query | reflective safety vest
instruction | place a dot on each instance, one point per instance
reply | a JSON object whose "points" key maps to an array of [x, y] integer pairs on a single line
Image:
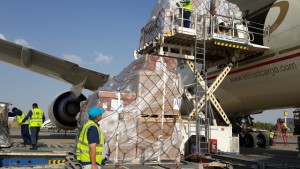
{"points": [[187, 5], [20, 119], [36, 119], [271, 135], [83, 150]]}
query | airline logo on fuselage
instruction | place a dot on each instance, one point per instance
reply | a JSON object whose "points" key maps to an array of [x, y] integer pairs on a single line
{"points": [[284, 7]]}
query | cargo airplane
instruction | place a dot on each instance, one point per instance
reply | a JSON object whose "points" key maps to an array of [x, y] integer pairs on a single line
{"points": [[268, 80]]}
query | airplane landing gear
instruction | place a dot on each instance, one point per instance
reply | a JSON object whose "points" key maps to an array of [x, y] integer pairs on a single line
{"points": [[255, 139], [262, 140], [250, 140], [248, 137]]}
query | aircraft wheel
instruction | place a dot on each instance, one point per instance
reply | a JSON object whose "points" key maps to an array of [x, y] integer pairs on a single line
{"points": [[262, 140], [242, 138], [250, 140]]}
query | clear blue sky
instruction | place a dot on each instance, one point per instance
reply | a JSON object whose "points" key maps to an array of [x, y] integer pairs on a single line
{"points": [[96, 34]]}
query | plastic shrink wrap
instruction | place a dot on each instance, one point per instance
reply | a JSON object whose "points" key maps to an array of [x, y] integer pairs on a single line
{"points": [[4, 130], [142, 121]]}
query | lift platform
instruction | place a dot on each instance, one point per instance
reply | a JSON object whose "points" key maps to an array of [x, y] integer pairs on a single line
{"points": [[179, 42], [17, 155], [208, 39]]}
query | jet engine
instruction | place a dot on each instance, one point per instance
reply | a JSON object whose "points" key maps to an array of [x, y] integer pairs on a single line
{"points": [[63, 110]]}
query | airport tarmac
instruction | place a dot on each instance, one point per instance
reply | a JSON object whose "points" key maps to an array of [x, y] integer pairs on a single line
{"points": [[289, 149], [47, 137], [251, 156], [68, 137]]}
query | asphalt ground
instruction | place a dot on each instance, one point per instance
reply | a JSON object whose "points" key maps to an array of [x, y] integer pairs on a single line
{"points": [[276, 152], [47, 137], [280, 148], [68, 137]]}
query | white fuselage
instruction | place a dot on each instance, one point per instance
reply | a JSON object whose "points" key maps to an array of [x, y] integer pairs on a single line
{"points": [[272, 80]]}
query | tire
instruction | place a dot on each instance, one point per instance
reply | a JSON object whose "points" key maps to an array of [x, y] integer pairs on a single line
{"points": [[250, 140], [242, 137], [262, 140]]}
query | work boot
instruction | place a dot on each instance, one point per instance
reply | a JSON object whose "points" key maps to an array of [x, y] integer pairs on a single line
{"points": [[34, 147]]}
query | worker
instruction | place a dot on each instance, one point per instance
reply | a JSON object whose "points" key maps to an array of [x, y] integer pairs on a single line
{"points": [[90, 141], [187, 5], [285, 128], [20, 115], [271, 136], [37, 118]]}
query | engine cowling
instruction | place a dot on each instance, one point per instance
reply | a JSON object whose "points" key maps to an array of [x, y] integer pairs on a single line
{"points": [[63, 110]]}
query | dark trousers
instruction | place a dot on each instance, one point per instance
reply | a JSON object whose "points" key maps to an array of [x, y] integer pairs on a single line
{"points": [[271, 142], [34, 135], [186, 18], [25, 133]]}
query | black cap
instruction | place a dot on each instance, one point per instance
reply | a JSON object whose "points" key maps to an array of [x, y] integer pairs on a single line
{"points": [[14, 109], [34, 105]]}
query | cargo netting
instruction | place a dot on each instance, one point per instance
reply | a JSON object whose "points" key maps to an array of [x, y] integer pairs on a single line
{"points": [[4, 129], [142, 122]]}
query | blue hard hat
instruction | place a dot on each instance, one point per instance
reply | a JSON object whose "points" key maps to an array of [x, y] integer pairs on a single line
{"points": [[95, 111]]}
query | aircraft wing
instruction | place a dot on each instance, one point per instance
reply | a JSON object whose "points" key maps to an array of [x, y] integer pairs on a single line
{"points": [[51, 66]]}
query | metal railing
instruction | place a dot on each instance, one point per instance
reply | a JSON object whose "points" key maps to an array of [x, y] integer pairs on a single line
{"points": [[178, 19], [220, 26]]}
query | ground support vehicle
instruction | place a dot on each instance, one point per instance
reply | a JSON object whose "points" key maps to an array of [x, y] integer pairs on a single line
{"points": [[18, 156]]}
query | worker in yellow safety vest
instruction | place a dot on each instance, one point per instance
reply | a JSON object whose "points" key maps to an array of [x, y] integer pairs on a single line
{"points": [[90, 141], [187, 5], [37, 118], [285, 128], [20, 115], [271, 136]]}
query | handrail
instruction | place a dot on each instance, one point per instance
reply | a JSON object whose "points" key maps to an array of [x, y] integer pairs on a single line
{"points": [[234, 29], [178, 16]]}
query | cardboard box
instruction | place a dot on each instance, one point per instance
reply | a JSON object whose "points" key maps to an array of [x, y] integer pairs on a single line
{"points": [[151, 128], [154, 63], [108, 100], [158, 93], [145, 145], [156, 137]]}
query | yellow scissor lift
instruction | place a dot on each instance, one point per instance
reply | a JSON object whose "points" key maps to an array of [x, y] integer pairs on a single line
{"points": [[205, 40]]}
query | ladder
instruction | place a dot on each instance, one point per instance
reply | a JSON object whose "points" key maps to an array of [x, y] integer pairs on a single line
{"points": [[280, 132], [200, 73], [203, 93]]}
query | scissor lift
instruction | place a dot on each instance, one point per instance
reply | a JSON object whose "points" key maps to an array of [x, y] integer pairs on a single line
{"points": [[205, 40]]}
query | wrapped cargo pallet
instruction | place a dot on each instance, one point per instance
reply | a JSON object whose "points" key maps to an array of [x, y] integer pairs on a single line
{"points": [[142, 121], [4, 130]]}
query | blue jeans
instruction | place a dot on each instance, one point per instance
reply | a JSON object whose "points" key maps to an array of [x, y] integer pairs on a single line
{"points": [[25, 133], [34, 134]]}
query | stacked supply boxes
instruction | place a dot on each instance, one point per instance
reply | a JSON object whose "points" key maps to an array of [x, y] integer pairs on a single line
{"points": [[142, 120]]}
